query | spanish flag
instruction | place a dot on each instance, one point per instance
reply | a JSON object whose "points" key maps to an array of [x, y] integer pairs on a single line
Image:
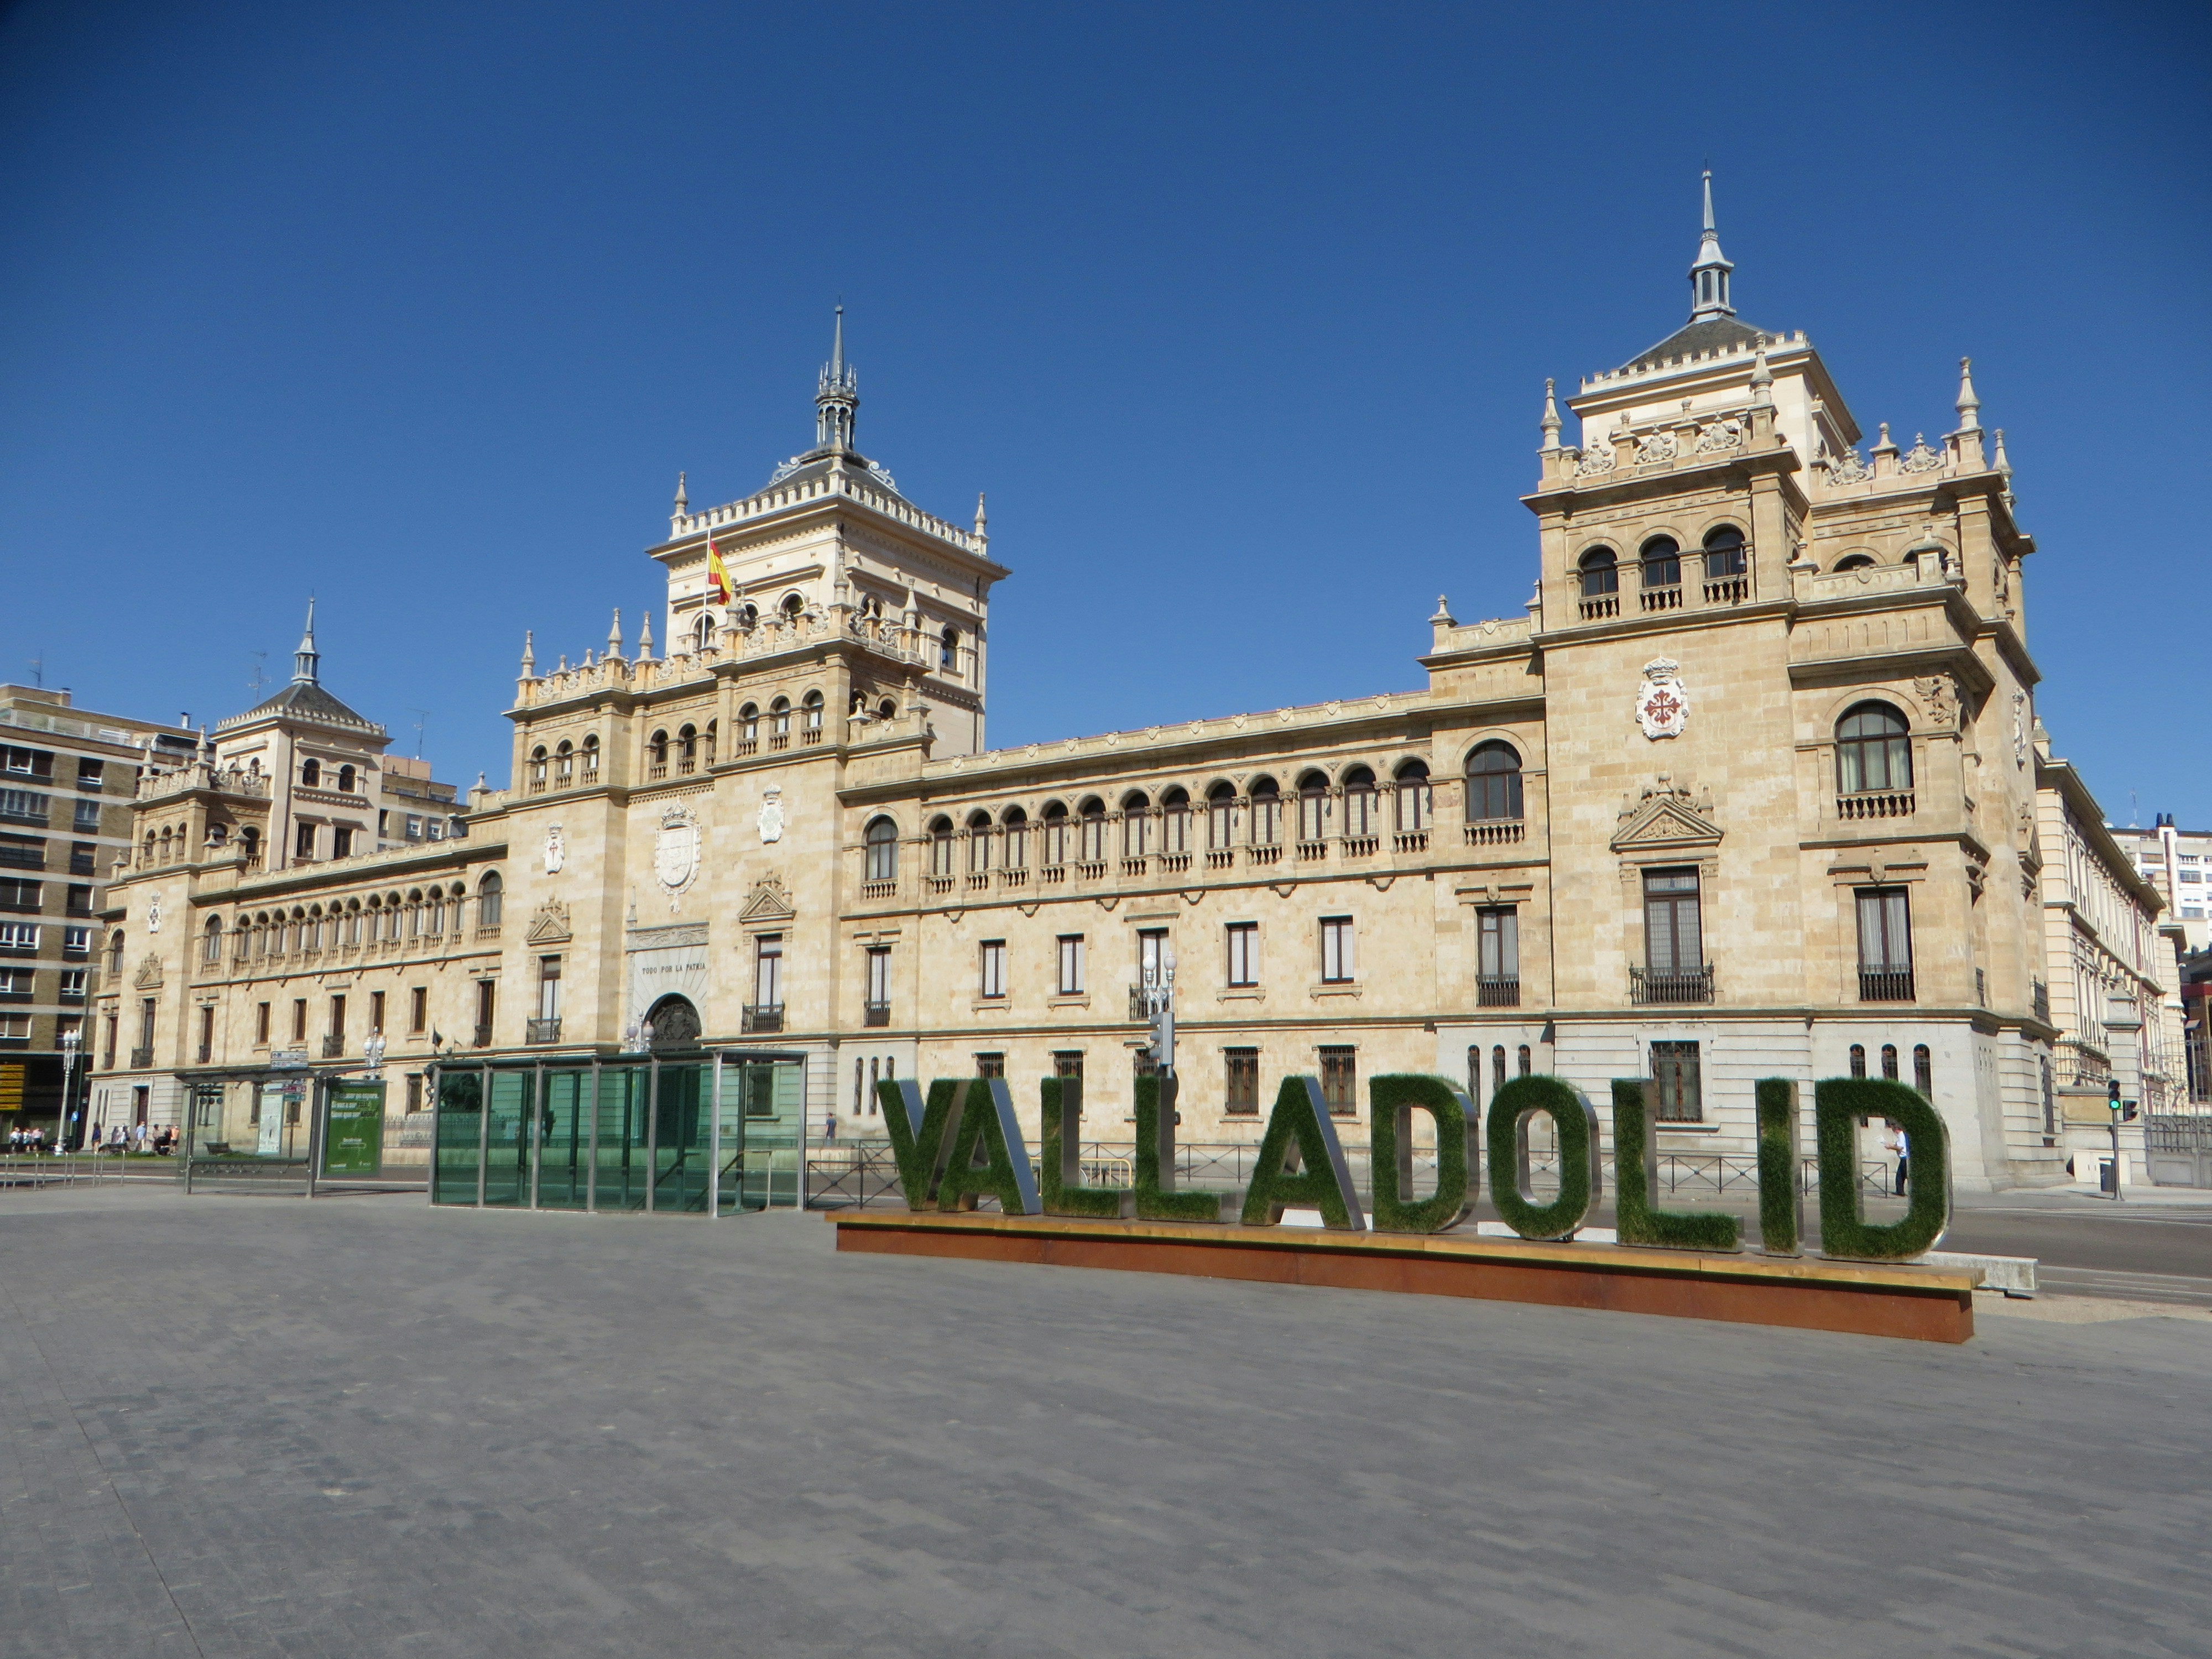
{"points": [[718, 574]]}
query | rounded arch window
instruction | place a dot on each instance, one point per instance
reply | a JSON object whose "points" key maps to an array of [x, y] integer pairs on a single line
{"points": [[792, 606], [1055, 832], [1266, 798], [311, 774], [1175, 820], [703, 633], [948, 651], [211, 941], [1601, 573], [886, 710], [1413, 796], [810, 715], [1723, 552], [491, 898], [687, 747], [345, 780], [1855, 562], [591, 757], [940, 845], [1014, 826], [1874, 750], [656, 755], [1220, 816], [1136, 824], [748, 727], [979, 842], [748, 614], [115, 952], [1092, 831], [779, 723], [564, 761], [1359, 801], [538, 766], [1493, 784], [882, 841], [1662, 557]]}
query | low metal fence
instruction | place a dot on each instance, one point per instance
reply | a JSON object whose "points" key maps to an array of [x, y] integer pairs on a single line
{"points": [[2177, 1148]]}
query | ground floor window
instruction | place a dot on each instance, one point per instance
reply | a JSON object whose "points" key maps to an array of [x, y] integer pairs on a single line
{"points": [[1675, 1081], [1340, 1080], [1241, 1081], [1068, 1062], [991, 1065]]}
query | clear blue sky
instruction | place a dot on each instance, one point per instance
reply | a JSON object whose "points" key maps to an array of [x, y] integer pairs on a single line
{"points": [[1242, 315]]}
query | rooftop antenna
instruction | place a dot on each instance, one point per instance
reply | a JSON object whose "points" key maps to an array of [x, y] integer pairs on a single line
{"points": [[257, 679], [39, 669], [421, 715]]}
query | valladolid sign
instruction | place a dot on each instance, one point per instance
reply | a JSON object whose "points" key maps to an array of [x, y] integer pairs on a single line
{"points": [[962, 1143]]}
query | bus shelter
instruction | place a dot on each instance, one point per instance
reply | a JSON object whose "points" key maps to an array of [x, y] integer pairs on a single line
{"points": [[706, 1134]]}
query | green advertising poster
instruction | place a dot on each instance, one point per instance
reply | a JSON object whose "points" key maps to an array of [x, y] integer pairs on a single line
{"points": [[353, 1130]]}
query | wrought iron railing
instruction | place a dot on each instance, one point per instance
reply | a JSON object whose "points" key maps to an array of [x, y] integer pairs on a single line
{"points": [[876, 1013], [141, 1058], [542, 1030], [1497, 990], [761, 1018], [333, 1047], [1651, 988], [1885, 985]]}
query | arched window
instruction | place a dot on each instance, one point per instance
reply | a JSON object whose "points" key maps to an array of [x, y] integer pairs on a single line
{"points": [[1923, 1071], [1055, 835], [1493, 784], [251, 838], [434, 914], [887, 709], [591, 758], [211, 941], [1015, 826], [491, 896], [1220, 816], [1662, 562], [1601, 573], [1855, 562], [948, 651], [1175, 820], [656, 756], [779, 723], [1412, 796], [564, 763], [537, 768], [810, 718], [1360, 815], [1858, 1059], [1266, 798], [792, 606], [748, 614], [687, 750], [1313, 807], [150, 845], [714, 740], [882, 838], [1889, 1061], [703, 633], [1136, 824], [1092, 831], [168, 846], [352, 923], [1873, 750], [978, 843], [310, 774], [115, 952], [1723, 552], [749, 728], [940, 845], [345, 780]]}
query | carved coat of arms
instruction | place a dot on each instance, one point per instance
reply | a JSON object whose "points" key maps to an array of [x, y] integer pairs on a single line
{"points": [[1662, 704], [556, 850], [771, 816], [676, 850]]}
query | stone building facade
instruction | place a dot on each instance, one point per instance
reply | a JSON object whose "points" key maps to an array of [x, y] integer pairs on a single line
{"points": [[1750, 786]]}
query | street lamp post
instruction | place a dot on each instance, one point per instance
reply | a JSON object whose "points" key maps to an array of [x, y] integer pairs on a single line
{"points": [[72, 1040]]}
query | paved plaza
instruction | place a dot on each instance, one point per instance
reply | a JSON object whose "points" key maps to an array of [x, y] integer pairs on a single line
{"points": [[247, 1425]]}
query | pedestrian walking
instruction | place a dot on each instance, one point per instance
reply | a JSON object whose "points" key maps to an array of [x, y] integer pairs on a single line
{"points": [[1904, 1143]]}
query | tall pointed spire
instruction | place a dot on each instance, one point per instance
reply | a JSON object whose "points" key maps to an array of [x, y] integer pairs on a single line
{"points": [[982, 519], [614, 634], [645, 639], [308, 659], [529, 654], [1970, 419], [1709, 277], [837, 397], [1551, 425]]}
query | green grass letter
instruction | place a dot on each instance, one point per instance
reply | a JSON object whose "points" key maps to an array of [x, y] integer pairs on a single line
{"points": [[1391, 1101]]}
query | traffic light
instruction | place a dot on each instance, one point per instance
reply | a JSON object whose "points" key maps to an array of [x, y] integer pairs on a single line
{"points": [[2112, 1094]]}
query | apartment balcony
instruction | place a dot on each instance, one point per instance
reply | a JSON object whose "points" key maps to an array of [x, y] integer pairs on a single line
{"points": [[141, 1058], [1600, 607], [1885, 985], [1359, 847], [1311, 851], [480, 1038], [761, 1018], [812, 735], [938, 884], [1650, 987], [1497, 832], [1270, 855], [879, 890], [206, 1054], [1174, 864], [334, 1047], [542, 1030], [1410, 841], [875, 1013], [1497, 990], [1661, 599]]}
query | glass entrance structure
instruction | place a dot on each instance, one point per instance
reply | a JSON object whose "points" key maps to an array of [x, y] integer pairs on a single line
{"points": [[700, 1134]]}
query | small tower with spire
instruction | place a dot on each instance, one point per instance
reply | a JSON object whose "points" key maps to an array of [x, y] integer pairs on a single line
{"points": [[836, 398], [307, 670], [1709, 277]]}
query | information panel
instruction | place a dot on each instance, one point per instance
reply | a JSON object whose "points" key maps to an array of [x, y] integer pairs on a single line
{"points": [[353, 1130]]}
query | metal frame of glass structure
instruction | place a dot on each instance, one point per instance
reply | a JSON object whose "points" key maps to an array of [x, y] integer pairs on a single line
{"points": [[651, 1133]]}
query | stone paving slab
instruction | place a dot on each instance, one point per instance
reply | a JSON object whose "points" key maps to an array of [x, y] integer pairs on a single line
{"points": [[259, 1425]]}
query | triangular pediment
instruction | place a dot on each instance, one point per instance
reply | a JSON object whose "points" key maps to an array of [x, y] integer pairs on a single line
{"points": [[1665, 820], [770, 902], [149, 973], [551, 925]]}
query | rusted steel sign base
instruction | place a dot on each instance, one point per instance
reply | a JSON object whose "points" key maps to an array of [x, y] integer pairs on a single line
{"points": [[1923, 1305]]}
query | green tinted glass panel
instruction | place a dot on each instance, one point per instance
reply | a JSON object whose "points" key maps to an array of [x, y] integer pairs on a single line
{"points": [[680, 1174], [460, 1117], [621, 1170], [774, 1095], [730, 1181], [507, 1149], [564, 1146]]}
